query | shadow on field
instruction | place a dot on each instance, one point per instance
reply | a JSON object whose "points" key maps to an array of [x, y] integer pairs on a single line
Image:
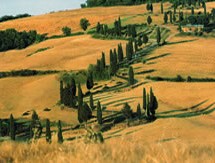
{"points": [[179, 42], [160, 56], [188, 112]]}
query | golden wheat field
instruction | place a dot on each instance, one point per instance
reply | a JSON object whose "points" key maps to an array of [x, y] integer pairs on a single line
{"points": [[71, 18], [71, 53], [184, 130]]}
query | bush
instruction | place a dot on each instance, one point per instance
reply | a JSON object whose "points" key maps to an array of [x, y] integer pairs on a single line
{"points": [[66, 31]]}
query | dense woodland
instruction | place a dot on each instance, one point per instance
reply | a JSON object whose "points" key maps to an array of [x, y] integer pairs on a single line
{"points": [[12, 39]]}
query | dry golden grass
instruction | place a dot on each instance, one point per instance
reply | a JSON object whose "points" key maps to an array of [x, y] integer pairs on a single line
{"points": [[116, 151], [72, 18], [194, 57], [71, 53]]}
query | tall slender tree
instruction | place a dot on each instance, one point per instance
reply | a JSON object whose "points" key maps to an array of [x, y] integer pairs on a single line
{"points": [[144, 99], [149, 20], [120, 53], [161, 6], [103, 62], [80, 96], [12, 128], [131, 76], [48, 132], [59, 133], [165, 18], [158, 36], [139, 114], [99, 113]]}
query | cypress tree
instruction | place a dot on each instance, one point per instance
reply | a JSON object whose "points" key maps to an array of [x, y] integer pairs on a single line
{"points": [[99, 113], [128, 52], [181, 16], [158, 35], [131, 48], [139, 111], [59, 133], [91, 102], [103, 62], [145, 39], [127, 112], [140, 43], [161, 6], [131, 76], [115, 62], [174, 18], [120, 53], [151, 7], [149, 20], [61, 92], [105, 29], [73, 87], [12, 128], [119, 26], [1, 134], [147, 106], [48, 132], [98, 66], [204, 6], [144, 99], [133, 31], [80, 96], [165, 18], [98, 27], [192, 10], [153, 104], [136, 46], [111, 63], [84, 113], [90, 82], [170, 16]]}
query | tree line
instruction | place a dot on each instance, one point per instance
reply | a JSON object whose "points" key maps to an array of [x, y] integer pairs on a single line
{"points": [[10, 17], [12, 39]]}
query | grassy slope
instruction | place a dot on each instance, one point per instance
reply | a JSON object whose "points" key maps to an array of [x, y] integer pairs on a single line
{"points": [[71, 18], [69, 53], [168, 139]]}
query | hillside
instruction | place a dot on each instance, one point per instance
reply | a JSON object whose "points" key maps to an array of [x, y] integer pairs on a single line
{"points": [[184, 128]]}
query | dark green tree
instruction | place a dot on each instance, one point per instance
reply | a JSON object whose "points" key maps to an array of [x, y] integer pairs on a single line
{"points": [[59, 133], [84, 23], [170, 17], [12, 128], [131, 80], [99, 113], [84, 113], [192, 10], [174, 18], [80, 96], [66, 31], [139, 114], [153, 104], [145, 39], [204, 6], [158, 35], [90, 82], [140, 43], [48, 132], [149, 20], [61, 92], [144, 99], [161, 6], [165, 18], [103, 61], [1, 128], [181, 16], [120, 53], [98, 27], [127, 112]]}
